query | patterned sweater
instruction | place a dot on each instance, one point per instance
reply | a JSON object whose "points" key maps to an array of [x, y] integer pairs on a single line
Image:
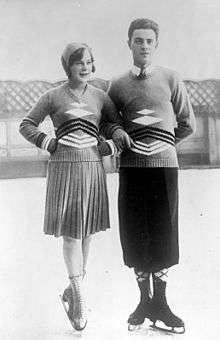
{"points": [[156, 113], [77, 122]]}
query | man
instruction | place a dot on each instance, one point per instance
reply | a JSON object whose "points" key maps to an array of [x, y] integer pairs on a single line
{"points": [[157, 115]]}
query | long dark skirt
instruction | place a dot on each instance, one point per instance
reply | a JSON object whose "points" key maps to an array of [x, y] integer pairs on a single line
{"points": [[148, 217]]}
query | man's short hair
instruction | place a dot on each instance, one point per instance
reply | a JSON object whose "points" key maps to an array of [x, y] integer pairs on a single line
{"points": [[143, 23]]}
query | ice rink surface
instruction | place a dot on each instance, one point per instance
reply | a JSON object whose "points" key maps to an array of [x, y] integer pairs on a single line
{"points": [[33, 273]]}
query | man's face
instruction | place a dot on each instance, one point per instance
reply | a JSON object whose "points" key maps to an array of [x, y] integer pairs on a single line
{"points": [[143, 44]]}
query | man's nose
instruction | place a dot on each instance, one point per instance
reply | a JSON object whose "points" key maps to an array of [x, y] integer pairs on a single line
{"points": [[144, 44]]}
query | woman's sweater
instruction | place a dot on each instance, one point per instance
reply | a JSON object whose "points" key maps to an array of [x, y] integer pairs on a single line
{"points": [[77, 122]]}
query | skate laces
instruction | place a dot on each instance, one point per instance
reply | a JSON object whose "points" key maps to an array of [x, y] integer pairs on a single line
{"points": [[79, 304], [161, 275], [141, 275]]}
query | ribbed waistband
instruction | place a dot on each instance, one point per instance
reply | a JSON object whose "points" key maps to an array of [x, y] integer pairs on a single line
{"points": [[166, 159], [65, 153]]}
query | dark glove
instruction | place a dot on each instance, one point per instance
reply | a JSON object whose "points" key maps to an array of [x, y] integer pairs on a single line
{"points": [[52, 145], [121, 139], [105, 149]]}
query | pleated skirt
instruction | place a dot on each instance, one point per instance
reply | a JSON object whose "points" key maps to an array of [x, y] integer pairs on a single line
{"points": [[76, 197], [148, 217]]}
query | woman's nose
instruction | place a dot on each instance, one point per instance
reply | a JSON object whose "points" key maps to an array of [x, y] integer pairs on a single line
{"points": [[84, 67]]}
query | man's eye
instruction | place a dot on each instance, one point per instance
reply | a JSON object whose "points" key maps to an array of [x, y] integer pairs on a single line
{"points": [[138, 41]]}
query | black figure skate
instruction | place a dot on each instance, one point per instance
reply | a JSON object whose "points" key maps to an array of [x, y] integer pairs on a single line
{"points": [[137, 318], [160, 311], [142, 311]]}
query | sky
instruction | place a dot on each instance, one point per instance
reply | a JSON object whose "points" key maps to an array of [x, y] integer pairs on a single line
{"points": [[34, 33]]}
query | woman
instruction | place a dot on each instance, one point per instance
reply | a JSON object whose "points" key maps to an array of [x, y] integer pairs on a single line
{"points": [[76, 199]]}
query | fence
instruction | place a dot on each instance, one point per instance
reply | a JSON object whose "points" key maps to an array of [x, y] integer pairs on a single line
{"points": [[18, 158]]}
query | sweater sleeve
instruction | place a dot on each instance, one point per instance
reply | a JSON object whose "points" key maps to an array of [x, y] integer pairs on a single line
{"points": [[29, 127], [113, 93], [182, 107], [111, 119]]}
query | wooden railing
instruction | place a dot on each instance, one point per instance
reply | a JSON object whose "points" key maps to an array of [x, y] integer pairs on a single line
{"points": [[18, 158]]}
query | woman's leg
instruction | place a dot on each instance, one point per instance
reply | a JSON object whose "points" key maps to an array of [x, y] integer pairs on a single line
{"points": [[85, 250], [73, 257]]}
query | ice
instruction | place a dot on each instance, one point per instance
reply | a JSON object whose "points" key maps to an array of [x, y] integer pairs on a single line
{"points": [[33, 273]]}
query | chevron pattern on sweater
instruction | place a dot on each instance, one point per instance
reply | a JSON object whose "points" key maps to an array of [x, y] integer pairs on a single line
{"points": [[150, 149], [73, 125], [78, 133], [152, 132], [79, 141]]}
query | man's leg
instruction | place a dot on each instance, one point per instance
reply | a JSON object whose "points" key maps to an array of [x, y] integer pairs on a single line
{"points": [[160, 309], [143, 308]]}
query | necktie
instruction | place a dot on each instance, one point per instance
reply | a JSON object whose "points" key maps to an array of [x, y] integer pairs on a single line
{"points": [[142, 74]]}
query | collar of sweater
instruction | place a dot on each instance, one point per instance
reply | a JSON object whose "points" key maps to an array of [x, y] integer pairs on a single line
{"points": [[147, 70]]}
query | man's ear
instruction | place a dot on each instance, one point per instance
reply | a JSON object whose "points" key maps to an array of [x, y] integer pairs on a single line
{"points": [[129, 43], [157, 43]]}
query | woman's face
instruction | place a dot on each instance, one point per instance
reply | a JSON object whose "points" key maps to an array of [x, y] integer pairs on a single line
{"points": [[82, 69]]}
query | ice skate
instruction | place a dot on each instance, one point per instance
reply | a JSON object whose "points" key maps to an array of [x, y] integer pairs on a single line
{"points": [[142, 311], [137, 318], [67, 309], [78, 319], [67, 298], [160, 311]]}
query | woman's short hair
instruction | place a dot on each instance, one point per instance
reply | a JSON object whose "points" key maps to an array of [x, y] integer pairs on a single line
{"points": [[77, 55]]}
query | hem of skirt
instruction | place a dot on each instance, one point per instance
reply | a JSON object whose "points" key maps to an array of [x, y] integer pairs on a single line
{"points": [[68, 235], [74, 161]]}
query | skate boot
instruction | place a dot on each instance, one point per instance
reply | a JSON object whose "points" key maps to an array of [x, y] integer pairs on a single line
{"points": [[160, 311], [67, 297], [73, 303], [142, 310], [78, 318]]}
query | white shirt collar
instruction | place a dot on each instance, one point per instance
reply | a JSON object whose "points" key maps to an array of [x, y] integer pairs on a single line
{"points": [[136, 70]]}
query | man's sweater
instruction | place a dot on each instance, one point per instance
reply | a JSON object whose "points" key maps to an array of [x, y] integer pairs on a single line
{"points": [[156, 113]]}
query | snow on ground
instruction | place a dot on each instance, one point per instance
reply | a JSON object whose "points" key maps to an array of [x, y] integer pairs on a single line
{"points": [[33, 273]]}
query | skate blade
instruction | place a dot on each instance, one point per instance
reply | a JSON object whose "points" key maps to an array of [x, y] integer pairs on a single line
{"points": [[66, 310], [81, 328], [133, 328], [171, 330]]}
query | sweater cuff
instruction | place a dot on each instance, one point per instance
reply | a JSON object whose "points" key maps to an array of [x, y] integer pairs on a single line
{"points": [[43, 141], [115, 127], [46, 142], [112, 146]]}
